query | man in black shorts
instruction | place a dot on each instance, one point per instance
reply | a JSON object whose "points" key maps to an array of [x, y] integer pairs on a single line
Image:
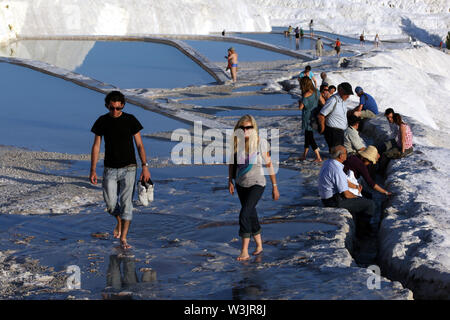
{"points": [[119, 176]]}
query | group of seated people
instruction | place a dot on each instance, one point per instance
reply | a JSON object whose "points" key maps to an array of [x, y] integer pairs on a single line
{"points": [[352, 161]]}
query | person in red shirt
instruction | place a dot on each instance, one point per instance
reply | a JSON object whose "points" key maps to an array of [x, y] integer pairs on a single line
{"points": [[337, 46]]}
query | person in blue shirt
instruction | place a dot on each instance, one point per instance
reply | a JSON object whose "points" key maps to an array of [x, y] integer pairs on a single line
{"points": [[334, 192], [367, 107], [307, 73]]}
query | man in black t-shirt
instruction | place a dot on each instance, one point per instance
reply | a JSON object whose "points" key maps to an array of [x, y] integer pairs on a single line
{"points": [[119, 130]]}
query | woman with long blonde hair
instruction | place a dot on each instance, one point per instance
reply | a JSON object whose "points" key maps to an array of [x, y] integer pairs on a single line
{"points": [[245, 168]]}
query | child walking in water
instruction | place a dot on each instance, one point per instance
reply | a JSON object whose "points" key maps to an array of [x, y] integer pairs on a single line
{"points": [[246, 169]]}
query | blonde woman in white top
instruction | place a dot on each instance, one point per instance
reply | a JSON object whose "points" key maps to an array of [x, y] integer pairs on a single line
{"points": [[250, 181]]}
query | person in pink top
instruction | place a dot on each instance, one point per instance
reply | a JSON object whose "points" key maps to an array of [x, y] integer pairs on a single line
{"points": [[404, 137], [403, 145]]}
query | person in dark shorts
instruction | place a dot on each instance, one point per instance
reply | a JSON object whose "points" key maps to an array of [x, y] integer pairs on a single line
{"points": [[120, 130], [297, 37], [337, 46]]}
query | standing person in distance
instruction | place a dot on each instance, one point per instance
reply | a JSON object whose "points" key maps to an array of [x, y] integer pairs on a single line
{"points": [[319, 47], [377, 40], [297, 38], [232, 63], [249, 154], [120, 130], [337, 46]]}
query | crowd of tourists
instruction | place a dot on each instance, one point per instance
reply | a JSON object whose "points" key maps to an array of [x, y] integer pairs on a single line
{"points": [[352, 162]]}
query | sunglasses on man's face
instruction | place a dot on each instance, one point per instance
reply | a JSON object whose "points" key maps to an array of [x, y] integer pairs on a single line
{"points": [[114, 108], [246, 128]]}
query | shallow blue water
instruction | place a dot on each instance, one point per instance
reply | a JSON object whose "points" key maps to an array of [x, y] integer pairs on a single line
{"points": [[189, 237], [142, 65], [261, 113], [185, 236], [248, 88], [217, 51], [124, 64], [265, 100], [41, 112], [333, 36], [280, 40], [344, 39]]}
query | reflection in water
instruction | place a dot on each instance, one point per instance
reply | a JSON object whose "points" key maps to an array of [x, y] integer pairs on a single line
{"points": [[56, 115], [114, 277], [286, 42], [275, 99], [122, 275], [64, 54], [125, 64], [250, 287]]}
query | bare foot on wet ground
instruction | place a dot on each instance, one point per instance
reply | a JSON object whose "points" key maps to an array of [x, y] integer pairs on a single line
{"points": [[243, 257], [257, 251], [117, 231], [124, 244]]}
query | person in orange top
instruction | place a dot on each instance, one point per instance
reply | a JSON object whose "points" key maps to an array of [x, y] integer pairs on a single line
{"points": [[337, 46]]}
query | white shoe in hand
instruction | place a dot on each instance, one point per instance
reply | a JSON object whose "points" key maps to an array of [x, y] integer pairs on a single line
{"points": [[150, 189], [142, 191], [145, 192]]}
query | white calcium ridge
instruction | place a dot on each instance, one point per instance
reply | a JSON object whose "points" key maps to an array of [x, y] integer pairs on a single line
{"points": [[119, 17], [429, 18], [424, 19]]}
